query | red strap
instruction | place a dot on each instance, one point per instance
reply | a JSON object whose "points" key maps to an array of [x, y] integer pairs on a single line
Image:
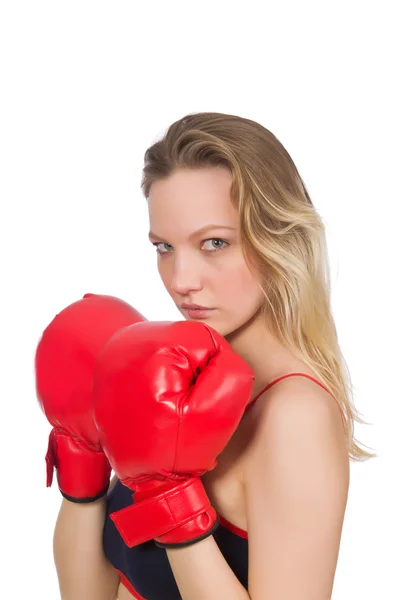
{"points": [[152, 518], [269, 385], [83, 472]]}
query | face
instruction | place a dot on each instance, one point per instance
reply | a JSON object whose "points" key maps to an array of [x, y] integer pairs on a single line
{"points": [[194, 227]]}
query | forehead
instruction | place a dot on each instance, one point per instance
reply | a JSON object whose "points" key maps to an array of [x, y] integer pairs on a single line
{"points": [[189, 199]]}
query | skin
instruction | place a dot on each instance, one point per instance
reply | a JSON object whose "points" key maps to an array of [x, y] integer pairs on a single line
{"points": [[288, 453], [292, 442], [209, 268]]}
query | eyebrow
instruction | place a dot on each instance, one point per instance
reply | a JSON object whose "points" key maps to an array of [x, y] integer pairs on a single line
{"points": [[198, 232]]}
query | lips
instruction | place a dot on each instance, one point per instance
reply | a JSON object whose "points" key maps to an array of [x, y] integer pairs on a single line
{"points": [[199, 313], [195, 307]]}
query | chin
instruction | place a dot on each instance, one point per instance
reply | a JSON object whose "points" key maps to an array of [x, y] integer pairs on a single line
{"points": [[218, 326], [234, 331], [224, 329]]}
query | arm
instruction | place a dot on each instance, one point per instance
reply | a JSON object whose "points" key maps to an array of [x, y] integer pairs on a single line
{"points": [[297, 483], [64, 368], [83, 571], [202, 573], [296, 487]]}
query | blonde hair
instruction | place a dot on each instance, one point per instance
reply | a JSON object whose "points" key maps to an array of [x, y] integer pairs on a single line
{"points": [[282, 237]]}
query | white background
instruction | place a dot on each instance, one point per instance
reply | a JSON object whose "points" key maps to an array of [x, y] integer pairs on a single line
{"points": [[86, 87]]}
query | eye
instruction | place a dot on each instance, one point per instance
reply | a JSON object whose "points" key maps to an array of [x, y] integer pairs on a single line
{"points": [[215, 248], [219, 245], [157, 246]]}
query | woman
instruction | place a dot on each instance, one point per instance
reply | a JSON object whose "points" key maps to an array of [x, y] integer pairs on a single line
{"points": [[242, 249]]}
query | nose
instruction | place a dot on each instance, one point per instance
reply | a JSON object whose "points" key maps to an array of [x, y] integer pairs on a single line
{"points": [[186, 276]]}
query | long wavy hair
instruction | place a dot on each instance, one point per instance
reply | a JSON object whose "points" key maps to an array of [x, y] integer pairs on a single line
{"points": [[282, 236]]}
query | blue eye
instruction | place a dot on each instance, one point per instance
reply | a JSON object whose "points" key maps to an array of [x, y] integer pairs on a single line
{"points": [[213, 248], [158, 244]]}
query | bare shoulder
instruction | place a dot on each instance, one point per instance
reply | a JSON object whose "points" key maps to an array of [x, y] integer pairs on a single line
{"points": [[298, 397], [296, 407], [297, 467]]}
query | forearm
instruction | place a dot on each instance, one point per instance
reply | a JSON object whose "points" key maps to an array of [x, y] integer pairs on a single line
{"points": [[202, 573], [82, 568]]}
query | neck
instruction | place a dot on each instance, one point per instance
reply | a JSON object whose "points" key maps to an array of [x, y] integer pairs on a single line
{"points": [[265, 354]]}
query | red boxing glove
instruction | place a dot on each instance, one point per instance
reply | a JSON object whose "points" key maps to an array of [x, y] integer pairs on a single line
{"points": [[64, 362], [167, 399]]}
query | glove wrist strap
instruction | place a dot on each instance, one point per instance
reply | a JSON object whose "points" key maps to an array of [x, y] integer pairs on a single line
{"points": [[179, 516], [83, 473]]}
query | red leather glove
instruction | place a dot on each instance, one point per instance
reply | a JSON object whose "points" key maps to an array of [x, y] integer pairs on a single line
{"points": [[64, 362], [167, 398]]}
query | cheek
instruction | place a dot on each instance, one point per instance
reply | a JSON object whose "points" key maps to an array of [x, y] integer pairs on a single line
{"points": [[165, 272], [239, 294], [241, 287], [230, 284]]}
